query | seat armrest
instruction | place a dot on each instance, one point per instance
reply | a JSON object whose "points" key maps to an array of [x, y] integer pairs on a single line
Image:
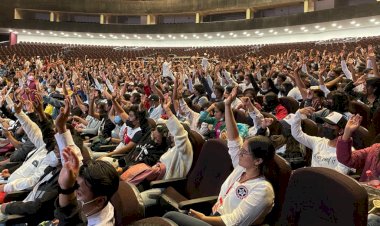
{"points": [[118, 156], [16, 196], [14, 219], [175, 182], [106, 148], [203, 204]]}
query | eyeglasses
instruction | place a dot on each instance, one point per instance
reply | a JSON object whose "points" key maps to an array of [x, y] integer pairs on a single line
{"points": [[242, 151]]}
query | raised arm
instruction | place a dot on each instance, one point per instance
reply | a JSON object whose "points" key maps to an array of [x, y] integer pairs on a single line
{"points": [[116, 105], [234, 141], [31, 129]]}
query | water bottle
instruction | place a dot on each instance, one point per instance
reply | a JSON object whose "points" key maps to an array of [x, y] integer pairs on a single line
{"points": [[372, 180]]}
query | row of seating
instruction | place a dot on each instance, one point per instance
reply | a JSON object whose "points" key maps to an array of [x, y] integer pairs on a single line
{"points": [[307, 196], [28, 49]]}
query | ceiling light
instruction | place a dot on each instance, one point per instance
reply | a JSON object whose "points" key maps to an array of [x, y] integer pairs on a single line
{"points": [[23, 31], [357, 25], [377, 22], [317, 26], [235, 36], [174, 37], [275, 33], [57, 35], [261, 34], [16, 32], [158, 36], [10, 30], [218, 34], [185, 37], [305, 30], [334, 24], [248, 35], [353, 22], [244, 33], [286, 29], [126, 37], [42, 33], [29, 33], [340, 26], [103, 36], [162, 38], [169, 36], [271, 30], [231, 33], [372, 20], [62, 33], [205, 35], [66, 35], [256, 32], [51, 32], [194, 35], [290, 32], [139, 37], [322, 29], [75, 34], [37, 32], [181, 35], [135, 35], [209, 37], [197, 37]]}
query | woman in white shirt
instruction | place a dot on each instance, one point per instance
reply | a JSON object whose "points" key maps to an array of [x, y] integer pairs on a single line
{"points": [[246, 196]]}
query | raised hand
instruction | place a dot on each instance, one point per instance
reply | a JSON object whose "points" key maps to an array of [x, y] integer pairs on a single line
{"points": [[70, 169], [307, 111], [232, 96], [18, 107], [352, 125], [247, 103], [63, 116]]}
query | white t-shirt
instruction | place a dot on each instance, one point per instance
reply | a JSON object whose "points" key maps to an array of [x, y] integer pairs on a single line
{"points": [[323, 154], [244, 203], [295, 93], [166, 69], [105, 217]]}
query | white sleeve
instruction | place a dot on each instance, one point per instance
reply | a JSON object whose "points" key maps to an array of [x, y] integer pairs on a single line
{"points": [[345, 70], [209, 81], [181, 138], [31, 129], [259, 201], [66, 140], [325, 90], [23, 183], [233, 150], [304, 68], [256, 116], [298, 134]]}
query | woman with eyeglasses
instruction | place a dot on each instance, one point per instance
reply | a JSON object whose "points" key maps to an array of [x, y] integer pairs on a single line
{"points": [[247, 195]]}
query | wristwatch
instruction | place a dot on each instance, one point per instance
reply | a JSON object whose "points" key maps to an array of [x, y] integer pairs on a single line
{"points": [[69, 190]]}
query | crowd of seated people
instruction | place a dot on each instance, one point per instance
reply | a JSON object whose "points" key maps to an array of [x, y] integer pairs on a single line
{"points": [[74, 128]]}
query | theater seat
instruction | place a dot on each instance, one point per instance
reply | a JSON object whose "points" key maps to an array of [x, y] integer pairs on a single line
{"points": [[275, 128], [363, 110], [212, 168], [282, 170], [154, 221], [241, 117], [320, 196], [129, 206]]}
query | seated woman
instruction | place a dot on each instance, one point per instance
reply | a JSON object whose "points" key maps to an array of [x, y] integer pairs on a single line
{"points": [[364, 159], [246, 196], [174, 163], [217, 121]]}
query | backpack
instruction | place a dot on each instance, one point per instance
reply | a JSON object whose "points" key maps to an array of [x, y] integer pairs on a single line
{"points": [[99, 141]]}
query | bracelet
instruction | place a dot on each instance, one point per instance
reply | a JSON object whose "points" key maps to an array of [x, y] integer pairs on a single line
{"points": [[69, 190]]}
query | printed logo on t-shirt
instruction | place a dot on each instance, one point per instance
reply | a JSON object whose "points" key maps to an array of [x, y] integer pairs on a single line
{"points": [[35, 163], [241, 192]]}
